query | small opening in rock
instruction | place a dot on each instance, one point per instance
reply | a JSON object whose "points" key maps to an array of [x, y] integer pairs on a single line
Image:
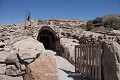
{"points": [[2, 46], [45, 41], [48, 39]]}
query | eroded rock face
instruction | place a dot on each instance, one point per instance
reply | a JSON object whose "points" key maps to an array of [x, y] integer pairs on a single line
{"points": [[12, 70], [14, 60], [29, 55], [2, 45], [111, 60], [68, 46], [29, 43], [43, 68], [4, 77], [28, 49], [3, 56], [2, 69]]}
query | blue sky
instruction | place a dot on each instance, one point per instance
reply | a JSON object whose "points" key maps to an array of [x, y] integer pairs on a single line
{"points": [[13, 11]]}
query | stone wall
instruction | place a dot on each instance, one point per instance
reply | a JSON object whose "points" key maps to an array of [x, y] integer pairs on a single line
{"points": [[13, 61]]}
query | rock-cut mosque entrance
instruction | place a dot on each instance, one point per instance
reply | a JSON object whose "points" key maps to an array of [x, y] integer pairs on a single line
{"points": [[47, 37]]}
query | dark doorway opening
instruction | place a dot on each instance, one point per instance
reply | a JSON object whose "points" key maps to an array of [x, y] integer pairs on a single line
{"points": [[45, 41], [48, 39]]}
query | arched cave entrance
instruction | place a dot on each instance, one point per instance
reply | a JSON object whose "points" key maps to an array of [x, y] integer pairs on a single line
{"points": [[48, 37]]}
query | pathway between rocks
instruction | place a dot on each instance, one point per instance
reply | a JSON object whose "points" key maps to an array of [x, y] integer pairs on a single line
{"points": [[66, 70]]}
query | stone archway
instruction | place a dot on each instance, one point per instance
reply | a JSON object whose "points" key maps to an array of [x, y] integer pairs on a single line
{"points": [[47, 36]]}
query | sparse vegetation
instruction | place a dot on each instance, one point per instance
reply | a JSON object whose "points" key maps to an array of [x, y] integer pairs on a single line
{"points": [[98, 22], [89, 25], [110, 22], [83, 26]]}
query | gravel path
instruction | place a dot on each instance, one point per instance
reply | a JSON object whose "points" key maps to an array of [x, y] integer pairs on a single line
{"points": [[66, 70]]}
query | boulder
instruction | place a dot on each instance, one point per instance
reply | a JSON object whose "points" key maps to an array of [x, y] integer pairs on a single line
{"points": [[13, 59], [3, 56], [1, 49], [2, 44], [28, 55], [29, 43], [4, 77], [43, 68], [68, 46], [11, 70], [111, 60], [2, 69], [23, 67], [6, 48]]}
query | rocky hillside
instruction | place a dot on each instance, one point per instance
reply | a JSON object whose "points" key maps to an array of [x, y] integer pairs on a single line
{"points": [[112, 15]]}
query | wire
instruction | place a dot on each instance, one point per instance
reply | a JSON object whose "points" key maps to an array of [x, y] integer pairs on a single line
{"points": [[18, 8], [13, 6]]}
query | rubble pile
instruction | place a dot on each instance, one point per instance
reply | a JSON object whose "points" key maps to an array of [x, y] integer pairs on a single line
{"points": [[12, 34], [13, 63]]}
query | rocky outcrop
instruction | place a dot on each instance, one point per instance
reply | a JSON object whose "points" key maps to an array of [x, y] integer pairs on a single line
{"points": [[11, 34], [43, 68], [28, 49], [3, 56], [111, 60], [13, 71], [29, 43], [13, 65], [28, 56], [2, 69], [68, 48], [13, 58], [14, 62], [2, 45], [4, 77]]}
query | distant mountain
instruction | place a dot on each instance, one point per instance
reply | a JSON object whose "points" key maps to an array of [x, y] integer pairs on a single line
{"points": [[112, 15]]}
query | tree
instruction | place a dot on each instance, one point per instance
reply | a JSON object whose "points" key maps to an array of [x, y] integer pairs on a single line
{"points": [[112, 23], [89, 25], [98, 21], [82, 26]]}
